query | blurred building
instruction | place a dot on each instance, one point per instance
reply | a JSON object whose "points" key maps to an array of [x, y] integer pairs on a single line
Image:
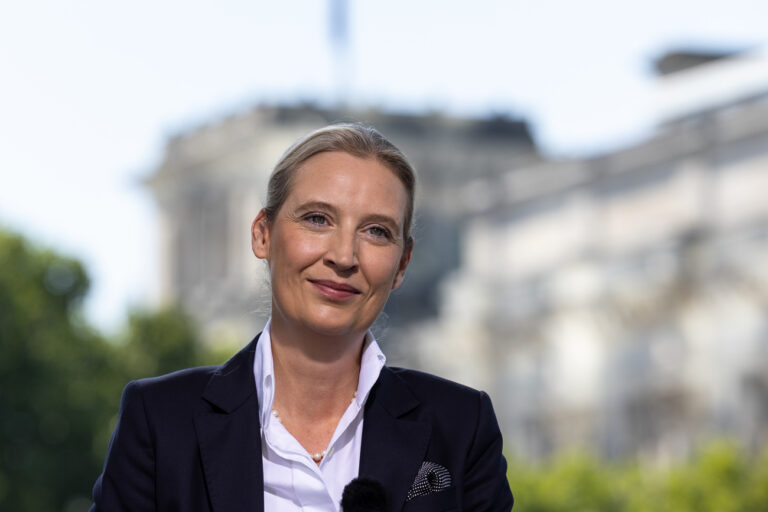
{"points": [[617, 303], [620, 303]]}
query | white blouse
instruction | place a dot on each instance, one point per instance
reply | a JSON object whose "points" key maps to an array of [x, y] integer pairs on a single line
{"points": [[292, 480]]}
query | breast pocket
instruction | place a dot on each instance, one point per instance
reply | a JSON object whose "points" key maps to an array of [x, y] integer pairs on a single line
{"points": [[440, 501]]}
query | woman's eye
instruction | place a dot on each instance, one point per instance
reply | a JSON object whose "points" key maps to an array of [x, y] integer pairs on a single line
{"points": [[378, 232], [317, 219]]}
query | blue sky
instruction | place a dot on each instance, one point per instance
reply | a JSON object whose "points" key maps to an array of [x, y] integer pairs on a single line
{"points": [[90, 90]]}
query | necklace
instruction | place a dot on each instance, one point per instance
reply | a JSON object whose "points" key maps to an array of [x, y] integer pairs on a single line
{"points": [[317, 456]]}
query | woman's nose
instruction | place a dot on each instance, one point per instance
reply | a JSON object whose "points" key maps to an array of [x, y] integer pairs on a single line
{"points": [[342, 251]]}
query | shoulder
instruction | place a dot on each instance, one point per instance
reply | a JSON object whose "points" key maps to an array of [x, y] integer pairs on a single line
{"points": [[181, 381], [422, 381], [440, 394], [170, 393], [185, 387]]}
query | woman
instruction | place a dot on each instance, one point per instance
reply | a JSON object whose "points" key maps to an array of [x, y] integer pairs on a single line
{"points": [[309, 405]]}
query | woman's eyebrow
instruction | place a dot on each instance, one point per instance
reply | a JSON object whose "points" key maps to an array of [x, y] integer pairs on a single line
{"points": [[383, 219], [316, 205]]}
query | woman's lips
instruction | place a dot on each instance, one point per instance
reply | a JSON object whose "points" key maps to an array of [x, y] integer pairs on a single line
{"points": [[334, 290]]}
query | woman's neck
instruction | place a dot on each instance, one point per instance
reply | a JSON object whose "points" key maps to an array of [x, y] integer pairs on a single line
{"points": [[315, 376]]}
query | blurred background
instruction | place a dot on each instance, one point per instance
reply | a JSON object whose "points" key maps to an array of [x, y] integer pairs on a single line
{"points": [[591, 231]]}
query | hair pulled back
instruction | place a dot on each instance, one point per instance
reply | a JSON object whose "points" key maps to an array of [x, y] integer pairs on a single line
{"points": [[352, 138]]}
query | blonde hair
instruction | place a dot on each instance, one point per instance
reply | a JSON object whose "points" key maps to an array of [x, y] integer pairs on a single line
{"points": [[353, 138]]}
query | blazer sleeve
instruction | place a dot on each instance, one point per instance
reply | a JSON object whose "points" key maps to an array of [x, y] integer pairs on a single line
{"points": [[127, 482], [486, 487]]}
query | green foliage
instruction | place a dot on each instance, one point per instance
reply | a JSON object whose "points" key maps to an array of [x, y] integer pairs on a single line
{"points": [[721, 478], [60, 380], [55, 379], [575, 483], [155, 343]]}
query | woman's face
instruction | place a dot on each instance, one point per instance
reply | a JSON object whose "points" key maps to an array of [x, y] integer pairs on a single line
{"points": [[335, 248]]}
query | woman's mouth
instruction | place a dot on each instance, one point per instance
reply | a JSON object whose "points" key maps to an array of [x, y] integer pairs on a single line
{"points": [[334, 290]]}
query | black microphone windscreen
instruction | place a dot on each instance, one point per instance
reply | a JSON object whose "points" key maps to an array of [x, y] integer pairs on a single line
{"points": [[363, 495]]}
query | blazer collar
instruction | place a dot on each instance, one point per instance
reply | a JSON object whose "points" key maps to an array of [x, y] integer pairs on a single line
{"points": [[229, 436], [394, 441], [233, 383]]}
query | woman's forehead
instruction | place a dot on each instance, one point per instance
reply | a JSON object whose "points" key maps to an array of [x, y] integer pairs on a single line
{"points": [[337, 177]]}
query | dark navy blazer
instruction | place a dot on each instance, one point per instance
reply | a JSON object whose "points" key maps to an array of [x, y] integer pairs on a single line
{"points": [[190, 441]]}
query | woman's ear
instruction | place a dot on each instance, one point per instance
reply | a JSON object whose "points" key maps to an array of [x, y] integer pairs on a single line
{"points": [[260, 236], [404, 260]]}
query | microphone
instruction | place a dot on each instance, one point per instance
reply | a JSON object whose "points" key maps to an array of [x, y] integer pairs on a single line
{"points": [[363, 495]]}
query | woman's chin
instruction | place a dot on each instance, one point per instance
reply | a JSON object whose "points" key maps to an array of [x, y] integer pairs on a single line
{"points": [[330, 330], [334, 326]]}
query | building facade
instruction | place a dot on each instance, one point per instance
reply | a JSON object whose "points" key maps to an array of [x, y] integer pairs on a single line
{"points": [[620, 303]]}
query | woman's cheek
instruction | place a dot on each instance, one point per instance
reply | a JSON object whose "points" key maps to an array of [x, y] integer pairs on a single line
{"points": [[381, 265]]}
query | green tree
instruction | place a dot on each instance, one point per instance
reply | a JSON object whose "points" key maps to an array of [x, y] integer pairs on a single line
{"points": [[57, 380], [574, 482], [159, 342], [60, 380], [720, 477]]}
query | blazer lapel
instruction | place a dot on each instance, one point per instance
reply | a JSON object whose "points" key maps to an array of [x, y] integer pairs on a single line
{"points": [[229, 437], [394, 444]]}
